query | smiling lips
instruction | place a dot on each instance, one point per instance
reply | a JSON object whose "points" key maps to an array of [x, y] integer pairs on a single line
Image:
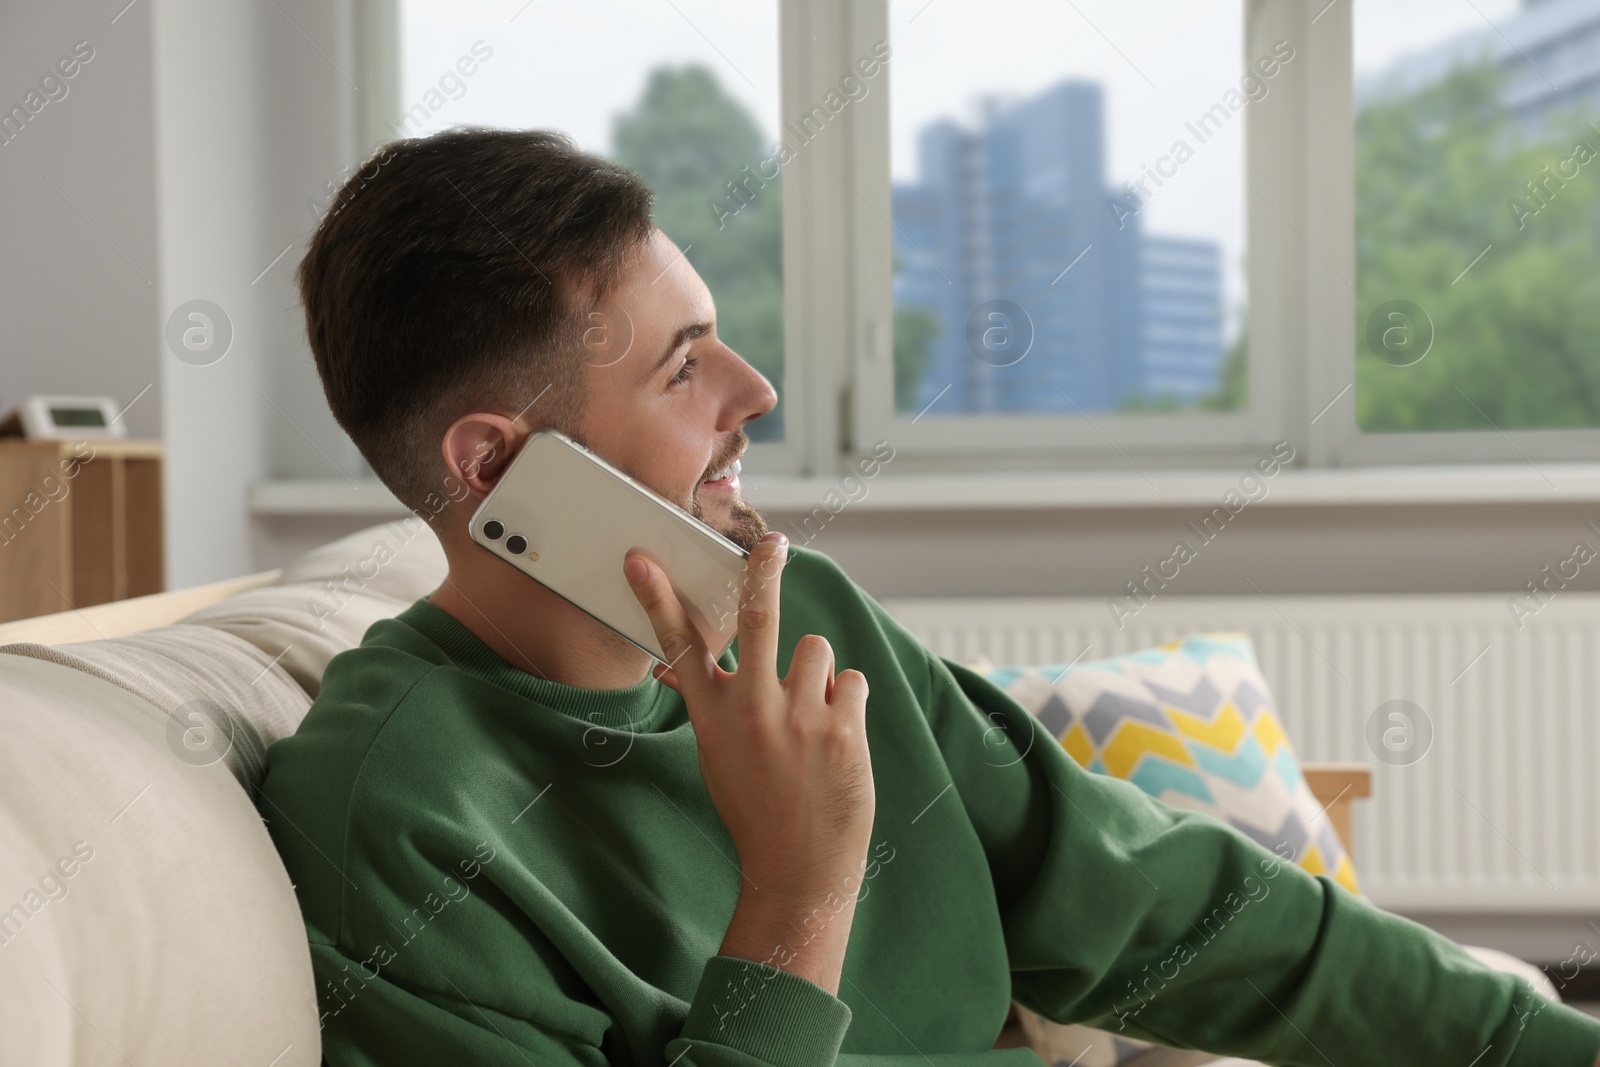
{"points": [[725, 479]]}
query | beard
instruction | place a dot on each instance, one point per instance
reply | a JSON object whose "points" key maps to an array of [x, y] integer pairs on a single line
{"points": [[744, 525]]}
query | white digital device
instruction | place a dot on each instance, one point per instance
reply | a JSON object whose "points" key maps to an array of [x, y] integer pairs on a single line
{"points": [[567, 519], [59, 418]]}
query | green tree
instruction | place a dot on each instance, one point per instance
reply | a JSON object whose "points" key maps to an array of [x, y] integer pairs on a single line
{"points": [[1231, 393], [688, 139], [1443, 178], [1233, 384], [1135, 402], [915, 328]]}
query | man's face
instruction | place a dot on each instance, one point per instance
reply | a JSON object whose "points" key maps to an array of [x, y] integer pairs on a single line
{"points": [[666, 400]]}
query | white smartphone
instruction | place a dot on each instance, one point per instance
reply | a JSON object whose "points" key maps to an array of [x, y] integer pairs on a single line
{"points": [[567, 519]]}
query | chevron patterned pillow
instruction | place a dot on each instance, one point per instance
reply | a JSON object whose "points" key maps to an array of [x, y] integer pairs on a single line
{"points": [[1192, 723]]}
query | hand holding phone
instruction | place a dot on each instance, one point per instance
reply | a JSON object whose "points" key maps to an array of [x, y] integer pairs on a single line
{"points": [[785, 762]]}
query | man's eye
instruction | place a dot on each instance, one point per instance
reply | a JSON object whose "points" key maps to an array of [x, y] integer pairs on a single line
{"points": [[686, 371]]}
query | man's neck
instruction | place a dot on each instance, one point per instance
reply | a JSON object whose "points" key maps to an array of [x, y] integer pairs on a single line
{"points": [[537, 631]]}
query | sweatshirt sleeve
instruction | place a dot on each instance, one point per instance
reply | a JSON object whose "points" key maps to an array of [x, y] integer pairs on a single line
{"points": [[775, 1020], [750, 1014], [416, 1004], [1148, 921], [744, 1014], [1153, 922]]}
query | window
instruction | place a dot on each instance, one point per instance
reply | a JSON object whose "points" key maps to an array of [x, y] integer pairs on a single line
{"points": [[1067, 213], [1477, 181], [1050, 213], [684, 93]]}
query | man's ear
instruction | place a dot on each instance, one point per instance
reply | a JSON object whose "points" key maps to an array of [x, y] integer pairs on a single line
{"points": [[479, 447]]}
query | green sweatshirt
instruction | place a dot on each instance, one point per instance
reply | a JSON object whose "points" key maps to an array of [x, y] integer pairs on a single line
{"points": [[499, 870]]}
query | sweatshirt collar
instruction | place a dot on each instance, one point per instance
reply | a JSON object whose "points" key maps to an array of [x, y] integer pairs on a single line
{"points": [[638, 708]]}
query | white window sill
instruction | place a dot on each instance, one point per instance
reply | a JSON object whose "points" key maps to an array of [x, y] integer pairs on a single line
{"points": [[1551, 483]]}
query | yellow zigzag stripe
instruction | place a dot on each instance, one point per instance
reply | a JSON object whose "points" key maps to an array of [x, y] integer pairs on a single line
{"points": [[1079, 747], [1347, 875], [1228, 730], [1134, 740], [1223, 734], [1269, 733], [1313, 861]]}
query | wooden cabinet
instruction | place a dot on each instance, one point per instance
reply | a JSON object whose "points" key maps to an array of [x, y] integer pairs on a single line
{"points": [[80, 524]]}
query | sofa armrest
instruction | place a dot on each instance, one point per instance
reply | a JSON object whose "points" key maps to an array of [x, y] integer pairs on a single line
{"points": [[123, 617], [1335, 785]]}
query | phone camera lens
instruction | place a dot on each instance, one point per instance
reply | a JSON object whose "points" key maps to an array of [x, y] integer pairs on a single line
{"points": [[493, 530], [516, 544]]}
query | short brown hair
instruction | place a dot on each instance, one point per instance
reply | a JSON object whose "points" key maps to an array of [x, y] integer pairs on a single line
{"points": [[452, 273]]}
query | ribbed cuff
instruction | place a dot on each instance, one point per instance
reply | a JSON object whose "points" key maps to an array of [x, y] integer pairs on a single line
{"points": [[766, 1013], [1557, 1036]]}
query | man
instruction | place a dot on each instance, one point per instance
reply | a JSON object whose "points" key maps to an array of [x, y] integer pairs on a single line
{"points": [[517, 841]]}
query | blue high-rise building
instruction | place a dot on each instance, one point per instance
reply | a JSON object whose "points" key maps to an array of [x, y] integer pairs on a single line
{"points": [[1047, 299], [1182, 316]]}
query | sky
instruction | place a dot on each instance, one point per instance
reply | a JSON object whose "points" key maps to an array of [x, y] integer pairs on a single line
{"points": [[1385, 30], [574, 64]]}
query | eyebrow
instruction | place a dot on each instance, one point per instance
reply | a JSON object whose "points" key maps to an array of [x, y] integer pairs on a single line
{"points": [[685, 333]]}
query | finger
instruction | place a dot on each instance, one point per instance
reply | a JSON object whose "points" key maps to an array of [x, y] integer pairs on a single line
{"points": [[680, 641], [850, 690], [811, 667], [758, 606], [666, 676]]}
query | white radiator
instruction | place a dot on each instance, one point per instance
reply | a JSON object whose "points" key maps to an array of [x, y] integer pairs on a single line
{"points": [[1501, 814]]}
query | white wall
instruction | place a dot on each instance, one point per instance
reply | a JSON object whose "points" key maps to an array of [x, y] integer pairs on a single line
{"points": [[209, 199], [178, 166], [257, 107], [78, 259], [310, 133]]}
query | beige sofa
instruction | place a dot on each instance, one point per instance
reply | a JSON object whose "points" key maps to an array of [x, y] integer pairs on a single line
{"points": [[146, 918], [172, 934]]}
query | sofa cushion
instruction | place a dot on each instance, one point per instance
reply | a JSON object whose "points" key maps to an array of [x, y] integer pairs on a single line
{"points": [[324, 601], [1193, 723], [144, 914], [225, 699], [238, 675]]}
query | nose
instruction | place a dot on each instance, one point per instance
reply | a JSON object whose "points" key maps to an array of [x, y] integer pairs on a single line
{"points": [[750, 397]]}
